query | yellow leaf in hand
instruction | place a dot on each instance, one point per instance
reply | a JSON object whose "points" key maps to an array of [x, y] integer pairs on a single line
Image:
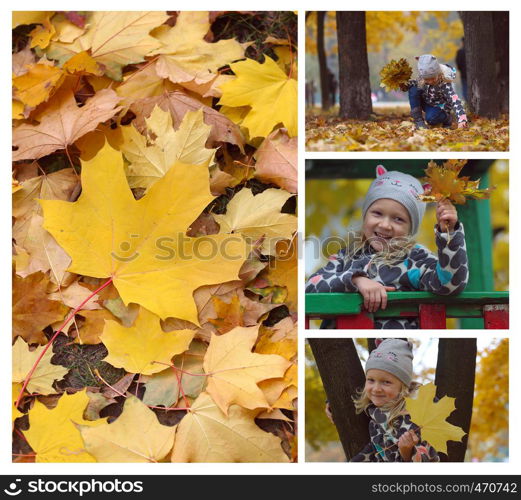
{"points": [[150, 160], [142, 244], [52, 433], [135, 436], [395, 74], [259, 216], [136, 349], [206, 434], [271, 94], [44, 375], [431, 417], [444, 183], [234, 371]]}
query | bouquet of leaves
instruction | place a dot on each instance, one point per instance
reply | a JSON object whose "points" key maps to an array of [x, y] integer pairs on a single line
{"points": [[394, 74], [443, 183]]}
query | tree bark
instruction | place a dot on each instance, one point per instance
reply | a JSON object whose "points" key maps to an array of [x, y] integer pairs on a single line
{"points": [[342, 375], [455, 374], [353, 66], [322, 62], [501, 24], [481, 65]]}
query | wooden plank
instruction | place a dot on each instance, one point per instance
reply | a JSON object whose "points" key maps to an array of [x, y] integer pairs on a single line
{"points": [[432, 316], [362, 321], [496, 317]]}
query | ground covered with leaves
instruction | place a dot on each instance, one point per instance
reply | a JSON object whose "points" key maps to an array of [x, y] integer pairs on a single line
{"points": [[392, 129], [154, 264]]}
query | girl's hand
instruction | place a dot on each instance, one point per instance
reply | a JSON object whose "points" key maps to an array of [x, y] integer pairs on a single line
{"points": [[329, 413], [406, 444], [446, 215], [374, 294], [462, 125]]}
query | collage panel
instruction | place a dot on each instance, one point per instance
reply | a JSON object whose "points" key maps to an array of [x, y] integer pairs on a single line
{"points": [[154, 226], [407, 244], [407, 81], [420, 399]]}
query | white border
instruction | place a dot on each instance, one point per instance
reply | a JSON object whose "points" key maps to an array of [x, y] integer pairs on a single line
{"points": [[484, 469]]}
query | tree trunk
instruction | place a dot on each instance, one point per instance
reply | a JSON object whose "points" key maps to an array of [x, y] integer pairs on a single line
{"points": [[322, 62], [455, 374], [500, 20], [353, 66], [342, 375], [480, 59]]}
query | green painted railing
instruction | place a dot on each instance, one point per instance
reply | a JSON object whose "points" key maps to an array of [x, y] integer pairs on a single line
{"points": [[434, 308]]}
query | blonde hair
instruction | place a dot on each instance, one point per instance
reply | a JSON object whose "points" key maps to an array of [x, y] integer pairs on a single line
{"points": [[397, 250], [393, 408], [441, 78]]}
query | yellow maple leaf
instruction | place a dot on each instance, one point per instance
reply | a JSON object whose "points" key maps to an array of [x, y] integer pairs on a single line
{"points": [[150, 160], [270, 93], [234, 371], [394, 74], [444, 183], [259, 216], [37, 85], [142, 243], [136, 349], [45, 373], [53, 434], [185, 56], [206, 434], [431, 417], [114, 39], [64, 122], [42, 34], [135, 436]]}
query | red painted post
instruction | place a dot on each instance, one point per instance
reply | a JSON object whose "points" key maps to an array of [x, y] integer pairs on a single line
{"points": [[307, 322], [362, 321], [496, 317], [433, 316]]}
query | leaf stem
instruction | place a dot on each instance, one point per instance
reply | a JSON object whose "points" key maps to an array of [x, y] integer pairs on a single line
{"points": [[183, 371], [53, 338]]}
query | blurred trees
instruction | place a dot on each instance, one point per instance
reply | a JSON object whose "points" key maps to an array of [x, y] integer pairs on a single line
{"points": [[489, 430]]}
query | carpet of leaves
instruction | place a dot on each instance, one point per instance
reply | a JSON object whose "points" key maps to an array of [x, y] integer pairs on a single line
{"points": [[392, 129], [110, 113]]}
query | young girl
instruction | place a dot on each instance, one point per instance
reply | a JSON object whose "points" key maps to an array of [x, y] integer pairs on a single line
{"points": [[434, 94], [394, 438], [384, 256]]}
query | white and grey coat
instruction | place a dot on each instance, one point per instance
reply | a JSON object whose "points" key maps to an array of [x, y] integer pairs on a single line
{"points": [[445, 273]]}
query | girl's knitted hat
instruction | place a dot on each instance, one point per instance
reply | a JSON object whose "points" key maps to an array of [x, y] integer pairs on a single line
{"points": [[428, 66], [393, 356], [400, 187]]}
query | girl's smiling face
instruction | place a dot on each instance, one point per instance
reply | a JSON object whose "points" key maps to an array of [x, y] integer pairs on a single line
{"points": [[384, 220], [382, 387]]}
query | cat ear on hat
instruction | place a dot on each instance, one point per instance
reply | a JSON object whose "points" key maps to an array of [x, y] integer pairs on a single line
{"points": [[380, 170]]}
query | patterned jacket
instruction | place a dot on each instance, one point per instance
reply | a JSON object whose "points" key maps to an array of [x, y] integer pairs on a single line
{"points": [[444, 96], [444, 274], [383, 446]]}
